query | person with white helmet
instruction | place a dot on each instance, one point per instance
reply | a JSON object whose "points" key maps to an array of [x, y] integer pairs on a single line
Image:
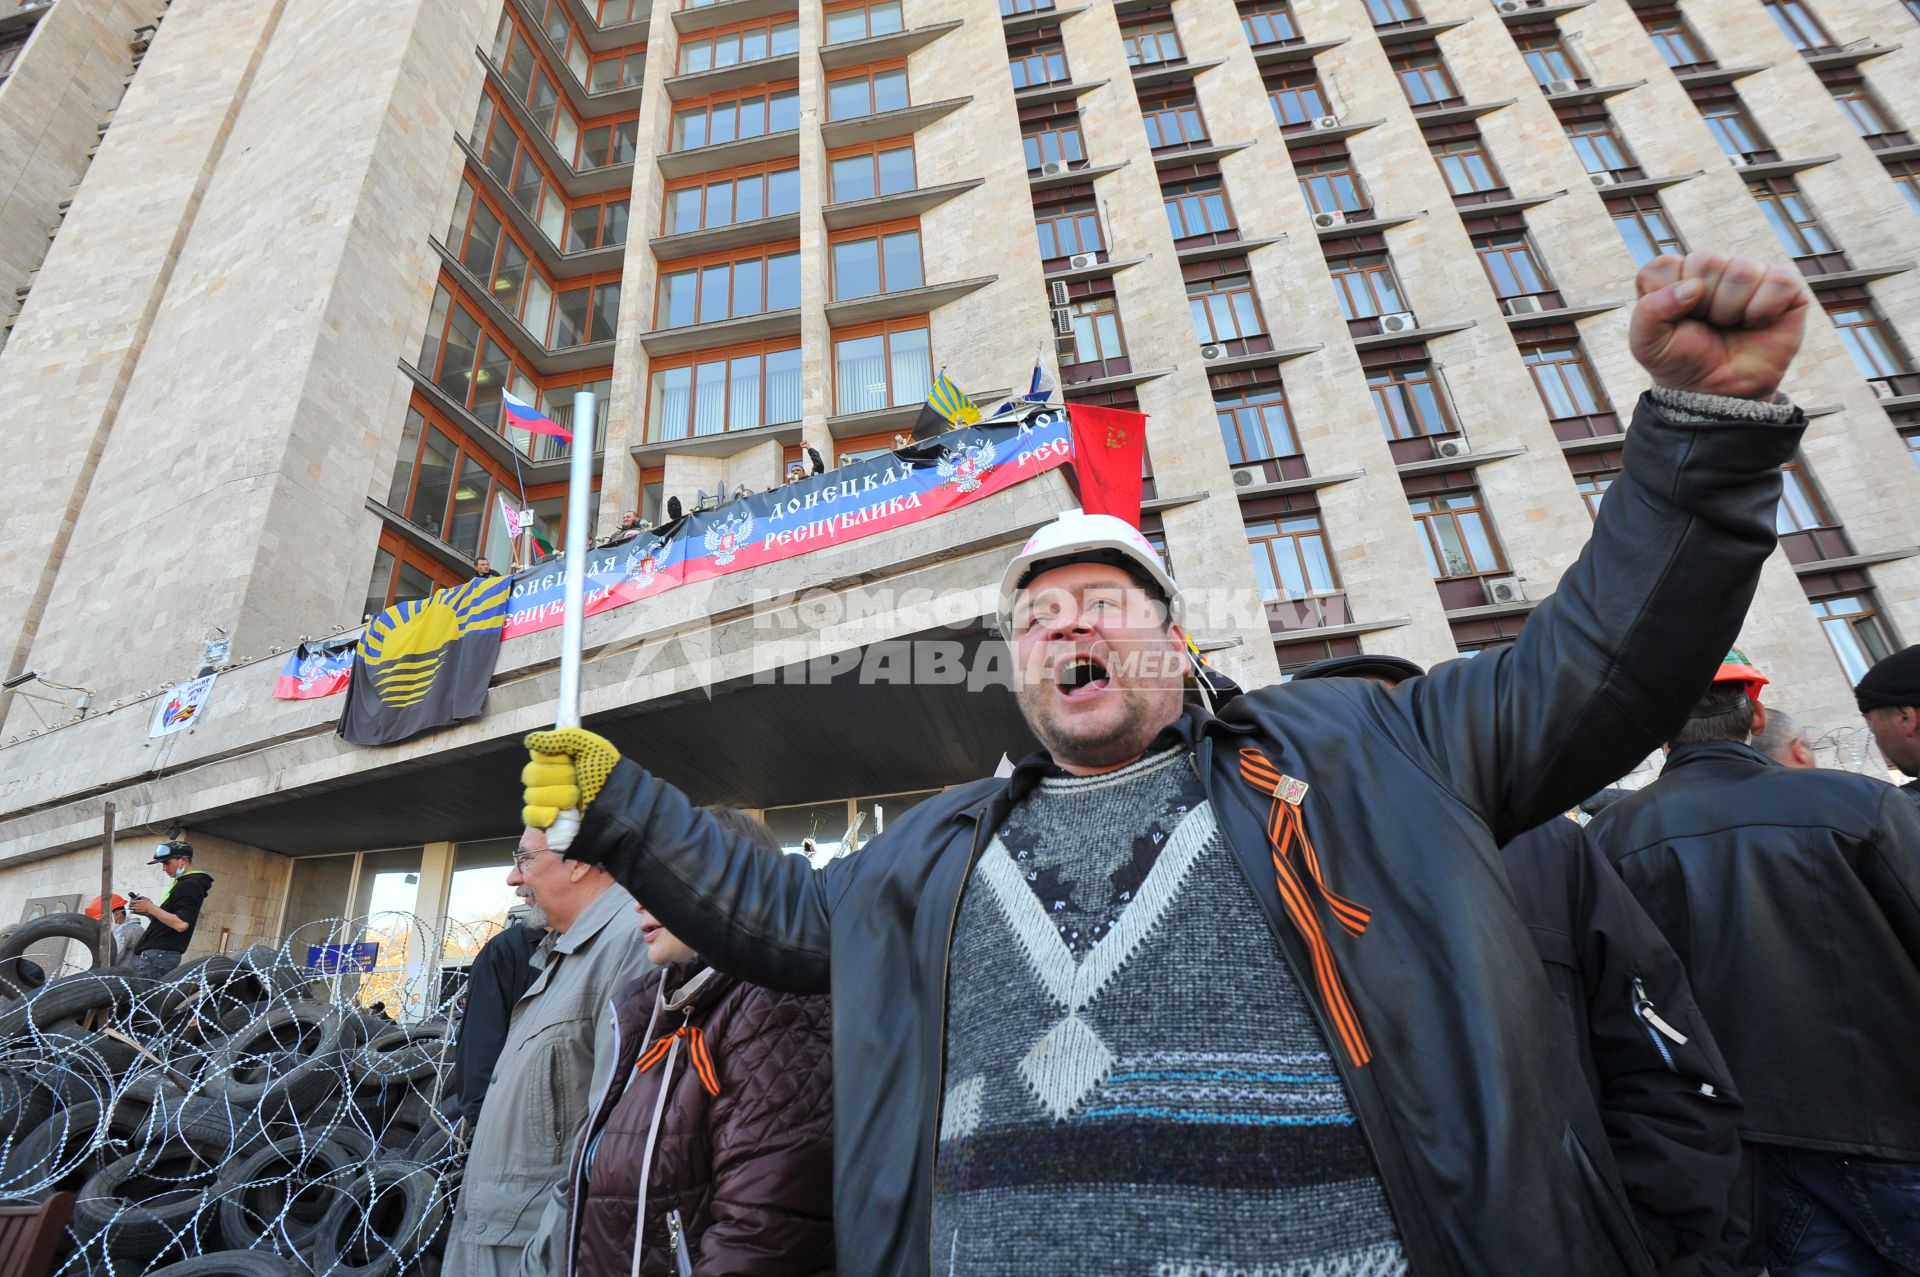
{"points": [[1191, 993]]}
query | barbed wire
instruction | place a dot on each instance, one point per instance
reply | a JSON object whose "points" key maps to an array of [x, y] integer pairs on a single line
{"points": [[243, 1107]]}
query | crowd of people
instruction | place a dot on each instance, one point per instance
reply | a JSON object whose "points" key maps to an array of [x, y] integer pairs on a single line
{"points": [[1318, 980]]}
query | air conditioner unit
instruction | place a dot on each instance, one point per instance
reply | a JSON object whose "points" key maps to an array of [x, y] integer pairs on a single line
{"points": [[1523, 305], [1398, 322], [1557, 88], [1248, 476], [1326, 122], [1506, 589], [1053, 168], [1063, 322], [1450, 448], [1083, 261], [1511, 6], [1326, 221], [1213, 352], [1057, 292], [1603, 179], [1884, 390]]}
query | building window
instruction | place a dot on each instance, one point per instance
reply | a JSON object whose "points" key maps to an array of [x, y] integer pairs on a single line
{"points": [[625, 70], [1734, 129], [1643, 223], [1455, 534], [1863, 111], [1425, 80], [1290, 557], [1043, 63], [886, 169], [858, 21], [1565, 381], [10, 54], [867, 93], [1096, 333], [1151, 43], [1330, 186], [1174, 121], [729, 289], [1547, 57], [1854, 628], [1198, 207], [1865, 335], [1297, 98], [1593, 487], [463, 359], [1053, 144], [740, 197], [1793, 220], [1268, 22], [1409, 402], [1678, 46], [1466, 166], [1070, 229], [597, 225], [1800, 509], [1912, 439], [731, 48], [1014, 8], [1366, 286], [387, 586], [1389, 12], [439, 486], [1599, 146], [889, 368], [1511, 266], [731, 119], [1224, 309], [712, 394], [1255, 425], [877, 263], [1797, 23], [1908, 182]]}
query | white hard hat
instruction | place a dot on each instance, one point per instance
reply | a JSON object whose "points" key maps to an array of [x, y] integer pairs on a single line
{"points": [[1078, 537]]}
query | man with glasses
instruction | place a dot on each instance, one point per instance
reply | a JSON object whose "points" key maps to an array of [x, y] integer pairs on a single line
{"points": [[536, 1096]]}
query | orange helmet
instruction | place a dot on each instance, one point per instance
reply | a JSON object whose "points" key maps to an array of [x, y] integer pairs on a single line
{"points": [[93, 906], [1736, 668]]}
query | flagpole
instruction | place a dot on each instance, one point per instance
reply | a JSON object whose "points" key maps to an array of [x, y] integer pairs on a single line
{"points": [[520, 553], [573, 599]]}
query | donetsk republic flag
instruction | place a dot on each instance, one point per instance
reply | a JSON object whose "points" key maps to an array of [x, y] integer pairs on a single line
{"points": [[426, 663]]}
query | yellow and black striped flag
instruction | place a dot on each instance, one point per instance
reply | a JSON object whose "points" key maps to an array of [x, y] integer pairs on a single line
{"points": [[425, 663]]}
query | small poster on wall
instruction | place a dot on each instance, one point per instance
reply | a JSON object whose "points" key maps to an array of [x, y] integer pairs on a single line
{"points": [[181, 706]]}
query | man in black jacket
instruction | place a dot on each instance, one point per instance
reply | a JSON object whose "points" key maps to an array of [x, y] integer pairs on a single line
{"points": [[1793, 896], [1665, 1096], [171, 922], [1367, 1071], [1889, 697]]}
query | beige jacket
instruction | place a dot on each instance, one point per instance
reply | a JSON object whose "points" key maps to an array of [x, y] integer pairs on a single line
{"points": [[541, 1086]]}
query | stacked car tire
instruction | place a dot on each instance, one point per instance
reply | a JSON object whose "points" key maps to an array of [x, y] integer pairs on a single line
{"points": [[229, 1119]]}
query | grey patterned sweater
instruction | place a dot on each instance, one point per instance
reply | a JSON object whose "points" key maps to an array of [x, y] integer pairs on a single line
{"points": [[1134, 1081]]}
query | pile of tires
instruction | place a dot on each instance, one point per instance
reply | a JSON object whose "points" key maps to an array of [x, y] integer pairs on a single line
{"points": [[227, 1119]]}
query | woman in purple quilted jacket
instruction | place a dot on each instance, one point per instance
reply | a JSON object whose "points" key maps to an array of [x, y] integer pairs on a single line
{"points": [[720, 1109]]}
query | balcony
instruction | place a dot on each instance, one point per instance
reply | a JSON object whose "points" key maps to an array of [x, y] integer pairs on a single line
{"points": [[1038, 16], [1537, 11], [1848, 277], [585, 102], [560, 265], [1056, 91], [1418, 334], [694, 84], [722, 155], [1467, 597], [1533, 310], [719, 443], [1446, 113], [907, 301], [1420, 29], [1069, 173], [883, 124], [1581, 93], [1850, 54], [1709, 74], [1153, 75], [722, 332], [1101, 375], [687, 20], [1313, 612], [1061, 270], [1313, 134], [535, 469], [1757, 166], [1201, 248], [1283, 51], [600, 39], [573, 183], [885, 208], [1900, 390], [532, 351], [708, 239], [1269, 357], [895, 44], [1199, 153]]}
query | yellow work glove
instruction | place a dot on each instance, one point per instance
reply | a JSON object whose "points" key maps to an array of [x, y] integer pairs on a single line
{"points": [[568, 767]]}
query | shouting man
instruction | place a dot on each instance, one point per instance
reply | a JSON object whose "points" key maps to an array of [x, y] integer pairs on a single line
{"points": [[1188, 994]]}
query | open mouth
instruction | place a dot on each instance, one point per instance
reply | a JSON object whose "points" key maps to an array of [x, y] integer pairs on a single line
{"points": [[1082, 678]]}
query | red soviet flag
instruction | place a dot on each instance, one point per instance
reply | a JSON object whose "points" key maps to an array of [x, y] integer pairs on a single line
{"points": [[1108, 447]]}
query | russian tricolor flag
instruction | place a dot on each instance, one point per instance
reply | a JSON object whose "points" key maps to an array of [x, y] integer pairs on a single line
{"points": [[524, 416]]}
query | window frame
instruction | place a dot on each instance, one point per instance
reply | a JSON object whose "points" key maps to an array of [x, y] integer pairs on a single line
{"points": [[1359, 279], [730, 178], [879, 233], [1230, 288], [872, 150], [1310, 534], [1174, 197], [1404, 376], [1434, 544], [724, 357], [871, 74], [1503, 249], [1793, 219], [1155, 36], [1866, 616], [1553, 359], [766, 95], [1457, 154], [887, 330], [1183, 106], [1799, 24], [1424, 69], [1235, 409], [865, 7], [1638, 216], [1058, 127], [699, 268], [1252, 12], [1294, 86]]}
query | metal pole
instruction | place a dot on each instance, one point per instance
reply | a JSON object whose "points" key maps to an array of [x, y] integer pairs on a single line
{"points": [[573, 620], [106, 891]]}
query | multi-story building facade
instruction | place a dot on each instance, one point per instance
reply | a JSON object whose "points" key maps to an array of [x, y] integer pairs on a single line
{"points": [[1366, 264]]}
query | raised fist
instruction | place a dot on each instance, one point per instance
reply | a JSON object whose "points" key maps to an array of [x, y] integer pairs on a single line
{"points": [[1718, 325]]}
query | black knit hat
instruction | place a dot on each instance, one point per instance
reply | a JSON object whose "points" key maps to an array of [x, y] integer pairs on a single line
{"points": [[1893, 682], [1395, 669]]}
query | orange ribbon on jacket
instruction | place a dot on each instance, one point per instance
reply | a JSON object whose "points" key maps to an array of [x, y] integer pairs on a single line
{"points": [[1287, 832], [696, 1051]]}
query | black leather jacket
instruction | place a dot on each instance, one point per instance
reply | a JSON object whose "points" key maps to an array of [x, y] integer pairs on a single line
{"points": [[1793, 896], [1479, 1117], [1665, 1094]]}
